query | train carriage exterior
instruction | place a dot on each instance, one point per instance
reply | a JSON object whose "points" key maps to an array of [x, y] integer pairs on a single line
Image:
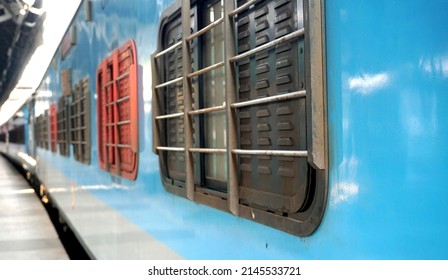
{"points": [[268, 129]]}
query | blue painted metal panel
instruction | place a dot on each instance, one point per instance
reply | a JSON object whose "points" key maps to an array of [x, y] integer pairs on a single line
{"points": [[387, 65]]}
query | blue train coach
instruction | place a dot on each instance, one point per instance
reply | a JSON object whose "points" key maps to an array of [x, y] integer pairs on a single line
{"points": [[245, 129]]}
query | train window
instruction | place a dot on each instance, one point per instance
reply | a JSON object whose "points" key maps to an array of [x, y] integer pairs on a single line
{"points": [[53, 128], [15, 128], [63, 132], [37, 131], [250, 107], [3, 132], [17, 134], [80, 121], [117, 88], [42, 130], [171, 101], [66, 82]]}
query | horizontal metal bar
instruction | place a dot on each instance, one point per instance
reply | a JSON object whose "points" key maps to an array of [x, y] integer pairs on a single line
{"points": [[123, 99], [118, 101], [271, 153], [118, 145], [122, 76], [242, 8], [169, 83], [167, 50], [123, 146], [206, 69], [205, 29], [278, 41], [208, 110], [124, 122], [285, 96], [208, 150], [74, 129], [171, 149], [170, 116], [78, 142], [77, 101]]}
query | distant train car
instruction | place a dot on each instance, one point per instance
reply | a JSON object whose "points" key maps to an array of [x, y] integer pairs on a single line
{"points": [[249, 129]]}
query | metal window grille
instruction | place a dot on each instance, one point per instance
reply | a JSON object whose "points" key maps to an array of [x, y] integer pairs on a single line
{"points": [[117, 108], [276, 145], [80, 121], [17, 134], [42, 130], [63, 133], [53, 128], [37, 132]]}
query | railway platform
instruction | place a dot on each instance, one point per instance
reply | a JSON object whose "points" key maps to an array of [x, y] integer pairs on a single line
{"points": [[26, 231]]}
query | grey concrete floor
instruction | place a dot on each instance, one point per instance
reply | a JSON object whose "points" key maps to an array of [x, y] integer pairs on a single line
{"points": [[26, 232]]}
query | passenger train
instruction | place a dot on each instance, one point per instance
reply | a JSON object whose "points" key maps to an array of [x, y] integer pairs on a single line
{"points": [[245, 129]]}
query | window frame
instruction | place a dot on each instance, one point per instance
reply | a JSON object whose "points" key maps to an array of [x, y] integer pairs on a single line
{"points": [[80, 137], [17, 135], [118, 144], [307, 219], [63, 126], [53, 128], [42, 130], [3, 133]]}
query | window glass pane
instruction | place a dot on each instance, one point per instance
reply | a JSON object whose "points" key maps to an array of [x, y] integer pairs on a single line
{"points": [[215, 128]]}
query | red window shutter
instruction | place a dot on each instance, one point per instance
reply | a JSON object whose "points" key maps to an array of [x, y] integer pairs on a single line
{"points": [[53, 127], [117, 107]]}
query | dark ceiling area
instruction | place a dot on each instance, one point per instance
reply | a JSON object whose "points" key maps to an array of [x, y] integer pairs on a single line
{"points": [[20, 34]]}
